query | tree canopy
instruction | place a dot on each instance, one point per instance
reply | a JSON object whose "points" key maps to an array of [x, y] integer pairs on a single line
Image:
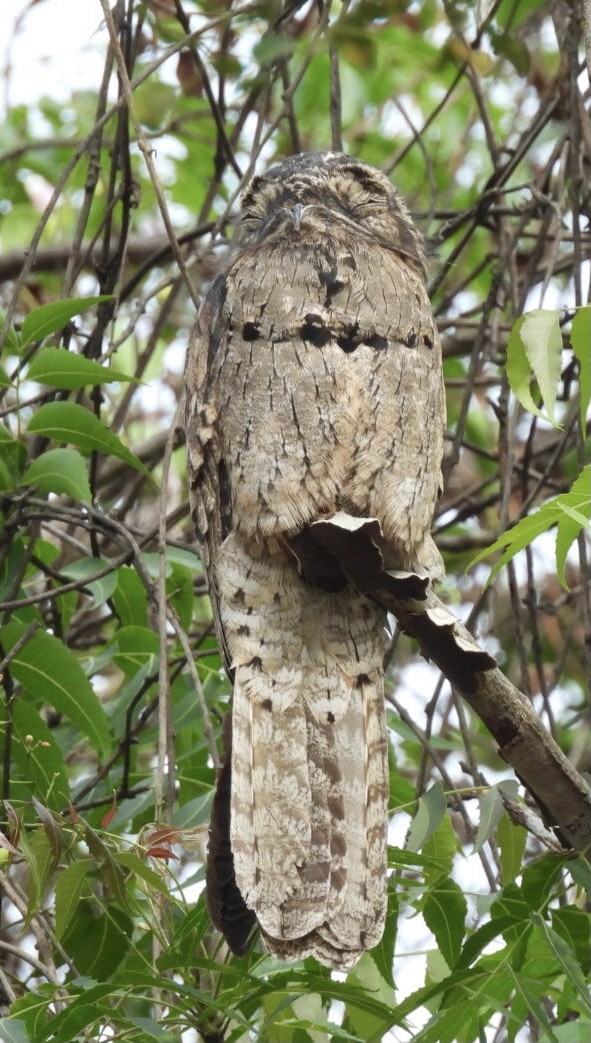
{"points": [[117, 208]]}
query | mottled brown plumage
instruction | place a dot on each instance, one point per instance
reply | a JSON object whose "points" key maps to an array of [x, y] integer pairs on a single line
{"points": [[314, 386]]}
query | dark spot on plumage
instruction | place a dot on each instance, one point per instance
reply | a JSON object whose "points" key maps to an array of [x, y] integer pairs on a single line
{"points": [[330, 717], [243, 630], [338, 845], [267, 704], [377, 342], [314, 873], [338, 878], [251, 331], [332, 284], [256, 662], [362, 679], [239, 596], [411, 340], [314, 331], [335, 805], [350, 338], [428, 340]]}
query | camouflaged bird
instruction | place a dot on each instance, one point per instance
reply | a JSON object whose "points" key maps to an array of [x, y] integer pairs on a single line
{"points": [[314, 387]]}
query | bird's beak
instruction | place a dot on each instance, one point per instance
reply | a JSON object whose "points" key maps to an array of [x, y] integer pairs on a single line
{"points": [[296, 215]]}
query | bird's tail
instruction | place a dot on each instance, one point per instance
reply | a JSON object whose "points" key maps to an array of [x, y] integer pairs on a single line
{"points": [[309, 756]]}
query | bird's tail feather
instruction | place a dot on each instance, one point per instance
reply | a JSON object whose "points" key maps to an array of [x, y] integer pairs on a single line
{"points": [[309, 756]]}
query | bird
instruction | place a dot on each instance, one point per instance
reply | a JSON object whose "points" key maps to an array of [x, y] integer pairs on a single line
{"points": [[314, 388]]}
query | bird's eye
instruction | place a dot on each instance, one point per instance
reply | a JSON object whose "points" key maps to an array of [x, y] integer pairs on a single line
{"points": [[369, 205]]}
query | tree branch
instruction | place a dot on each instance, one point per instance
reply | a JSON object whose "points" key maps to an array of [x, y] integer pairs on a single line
{"points": [[561, 793]]}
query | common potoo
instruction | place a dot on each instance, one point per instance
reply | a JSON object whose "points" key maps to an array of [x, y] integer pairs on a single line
{"points": [[314, 386]]}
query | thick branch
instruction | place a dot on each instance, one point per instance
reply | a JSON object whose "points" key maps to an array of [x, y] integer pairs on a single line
{"points": [[561, 793]]}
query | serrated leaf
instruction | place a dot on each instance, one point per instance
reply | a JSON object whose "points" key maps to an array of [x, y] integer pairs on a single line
{"points": [[41, 862], [534, 349], [367, 976], [491, 810], [581, 344], [542, 339], [60, 368], [97, 944], [574, 926], [444, 912], [50, 672], [111, 873], [68, 888], [82, 1012], [575, 507], [431, 809], [511, 839], [68, 422], [566, 959], [442, 848], [520, 536], [52, 317], [134, 864], [61, 471], [51, 828]]}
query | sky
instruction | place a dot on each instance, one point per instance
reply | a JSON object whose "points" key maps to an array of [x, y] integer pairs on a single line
{"points": [[48, 47]]}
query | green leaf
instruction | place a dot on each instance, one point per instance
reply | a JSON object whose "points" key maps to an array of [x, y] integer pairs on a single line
{"points": [[444, 912], [574, 926], [581, 343], [68, 888], [566, 959], [570, 511], [71, 423], [81, 1012], [13, 1031], [576, 508], [535, 348], [111, 872], [130, 597], [97, 944], [132, 862], [369, 979], [52, 317], [99, 589], [442, 847], [38, 756], [492, 810], [41, 861], [51, 674], [138, 647], [60, 368], [431, 809], [512, 840], [60, 471]]}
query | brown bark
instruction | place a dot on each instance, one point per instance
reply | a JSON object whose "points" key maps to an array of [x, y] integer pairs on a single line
{"points": [[561, 793]]}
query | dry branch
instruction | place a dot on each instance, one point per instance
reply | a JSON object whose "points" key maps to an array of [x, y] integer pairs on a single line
{"points": [[560, 791]]}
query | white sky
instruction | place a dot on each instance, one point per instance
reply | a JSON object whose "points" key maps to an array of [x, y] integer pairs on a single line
{"points": [[49, 47]]}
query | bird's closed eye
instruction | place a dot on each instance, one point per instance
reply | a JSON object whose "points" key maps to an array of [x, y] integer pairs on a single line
{"points": [[369, 206]]}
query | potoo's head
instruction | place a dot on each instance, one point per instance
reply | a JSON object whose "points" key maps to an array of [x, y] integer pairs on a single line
{"points": [[320, 193]]}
